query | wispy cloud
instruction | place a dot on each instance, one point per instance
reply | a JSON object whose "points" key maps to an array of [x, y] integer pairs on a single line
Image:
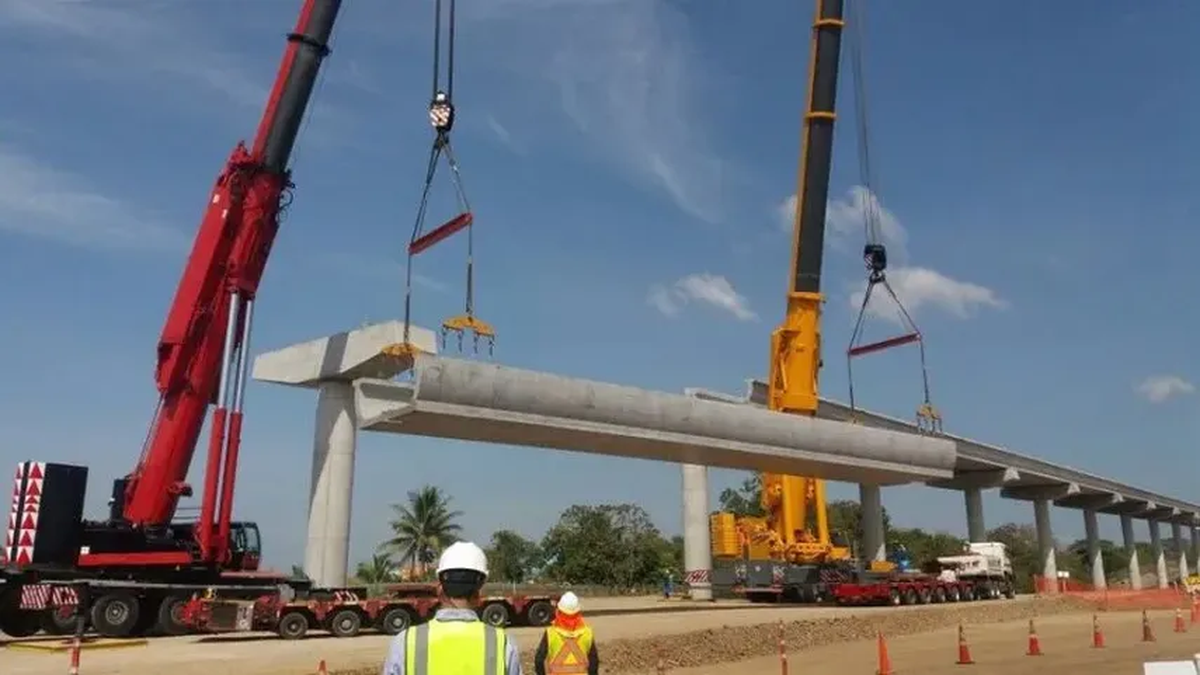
{"points": [[504, 136], [374, 268], [38, 200], [625, 73], [1162, 388], [709, 289], [138, 37], [916, 287]]}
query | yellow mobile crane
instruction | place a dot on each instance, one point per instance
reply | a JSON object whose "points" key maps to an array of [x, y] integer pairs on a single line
{"points": [[795, 530]]}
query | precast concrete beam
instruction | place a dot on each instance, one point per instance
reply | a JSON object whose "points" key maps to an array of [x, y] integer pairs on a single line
{"points": [[1159, 513], [475, 401], [978, 479], [343, 357], [1126, 507], [1089, 501], [1048, 492]]}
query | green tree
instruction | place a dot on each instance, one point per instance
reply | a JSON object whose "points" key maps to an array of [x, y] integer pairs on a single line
{"points": [[512, 557], [378, 570], [1021, 542], [422, 527], [611, 544], [846, 524], [744, 500], [926, 547]]}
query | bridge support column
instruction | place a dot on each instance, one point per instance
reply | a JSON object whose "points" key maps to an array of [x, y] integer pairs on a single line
{"points": [[1091, 527], [976, 528], [1160, 558], [873, 543], [327, 553], [697, 547], [1196, 547], [1135, 572], [1045, 537], [1180, 549]]}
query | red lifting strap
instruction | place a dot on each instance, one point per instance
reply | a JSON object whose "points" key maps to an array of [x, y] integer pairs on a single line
{"points": [[443, 231], [883, 344]]}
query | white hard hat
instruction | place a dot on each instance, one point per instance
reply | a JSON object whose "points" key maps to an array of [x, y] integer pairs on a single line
{"points": [[568, 603], [463, 555]]}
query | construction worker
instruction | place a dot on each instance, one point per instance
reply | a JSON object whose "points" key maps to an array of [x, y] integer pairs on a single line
{"points": [[455, 640], [568, 646]]}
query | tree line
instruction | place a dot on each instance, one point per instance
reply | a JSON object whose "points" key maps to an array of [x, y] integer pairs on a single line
{"points": [[618, 545]]}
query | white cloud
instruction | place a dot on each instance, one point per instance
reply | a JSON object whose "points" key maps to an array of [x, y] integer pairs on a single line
{"points": [[139, 37], [705, 288], [1161, 388], [503, 135], [625, 73], [916, 287], [38, 200]]}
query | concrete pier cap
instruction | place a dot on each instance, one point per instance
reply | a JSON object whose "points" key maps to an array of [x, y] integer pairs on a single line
{"points": [[330, 364]]}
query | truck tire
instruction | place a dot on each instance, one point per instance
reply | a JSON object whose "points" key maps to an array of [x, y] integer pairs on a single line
{"points": [[495, 614], [395, 620], [939, 595], [894, 598], [1010, 591], [116, 615], [539, 613], [170, 616], [345, 623], [924, 596], [954, 594], [55, 623], [19, 623], [909, 597], [293, 625]]}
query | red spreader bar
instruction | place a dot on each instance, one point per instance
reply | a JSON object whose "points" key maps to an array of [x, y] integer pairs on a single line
{"points": [[883, 344], [443, 231]]}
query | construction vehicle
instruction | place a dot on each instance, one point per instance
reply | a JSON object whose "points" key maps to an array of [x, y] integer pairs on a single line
{"points": [[790, 552], [135, 569], [347, 612], [982, 572]]}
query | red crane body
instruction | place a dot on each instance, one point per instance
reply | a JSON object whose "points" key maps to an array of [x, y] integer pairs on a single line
{"points": [[202, 354]]}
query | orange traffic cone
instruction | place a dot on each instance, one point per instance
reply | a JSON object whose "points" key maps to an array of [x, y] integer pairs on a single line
{"points": [[322, 669], [1097, 634], [1180, 626], [1195, 611], [964, 650], [885, 661], [1035, 645], [76, 646], [783, 665], [1147, 631]]}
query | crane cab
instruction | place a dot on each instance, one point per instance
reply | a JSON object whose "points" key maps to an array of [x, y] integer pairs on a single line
{"points": [[245, 547]]}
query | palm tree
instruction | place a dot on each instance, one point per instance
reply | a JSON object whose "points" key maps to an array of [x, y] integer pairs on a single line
{"points": [[422, 527], [378, 570]]}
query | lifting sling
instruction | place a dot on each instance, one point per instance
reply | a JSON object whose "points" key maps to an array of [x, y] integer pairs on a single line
{"points": [[875, 251], [441, 117]]}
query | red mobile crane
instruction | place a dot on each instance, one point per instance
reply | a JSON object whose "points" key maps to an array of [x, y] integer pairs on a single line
{"points": [[138, 565]]}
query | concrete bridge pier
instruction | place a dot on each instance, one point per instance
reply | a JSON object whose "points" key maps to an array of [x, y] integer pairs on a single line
{"points": [[874, 544], [1045, 538], [697, 544], [1091, 527], [1160, 558], [976, 527], [1135, 572], [1180, 548]]}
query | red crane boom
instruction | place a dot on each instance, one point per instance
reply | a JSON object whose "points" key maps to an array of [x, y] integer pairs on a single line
{"points": [[203, 352]]}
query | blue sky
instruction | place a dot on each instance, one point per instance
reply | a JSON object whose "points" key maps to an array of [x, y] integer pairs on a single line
{"points": [[627, 161]]}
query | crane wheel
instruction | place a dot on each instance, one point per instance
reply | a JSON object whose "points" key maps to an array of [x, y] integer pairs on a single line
{"points": [[57, 623], [345, 623], [293, 625], [539, 613], [395, 620], [116, 615], [170, 616], [495, 614]]}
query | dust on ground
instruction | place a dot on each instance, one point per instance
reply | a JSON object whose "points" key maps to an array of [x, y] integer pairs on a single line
{"points": [[708, 640]]}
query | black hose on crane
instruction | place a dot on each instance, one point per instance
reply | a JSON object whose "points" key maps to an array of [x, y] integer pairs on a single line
{"points": [[875, 250]]}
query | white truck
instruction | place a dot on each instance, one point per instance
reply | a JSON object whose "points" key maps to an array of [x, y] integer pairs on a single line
{"points": [[985, 564]]}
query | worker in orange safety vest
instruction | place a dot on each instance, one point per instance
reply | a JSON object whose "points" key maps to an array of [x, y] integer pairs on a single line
{"points": [[568, 646]]}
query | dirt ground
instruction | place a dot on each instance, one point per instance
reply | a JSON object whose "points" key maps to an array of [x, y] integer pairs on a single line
{"points": [[722, 640]]}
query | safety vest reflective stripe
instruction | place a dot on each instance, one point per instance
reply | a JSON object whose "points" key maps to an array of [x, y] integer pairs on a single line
{"points": [[453, 648], [567, 651]]}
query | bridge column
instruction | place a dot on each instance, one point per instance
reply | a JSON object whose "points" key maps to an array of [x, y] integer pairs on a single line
{"points": [[697, 546], [1135, 572], [1180, 549], [1160, 558], [871, 505], [1196, 547], [1045, 536], [1091, 527], [327, 553], [976, 529]]}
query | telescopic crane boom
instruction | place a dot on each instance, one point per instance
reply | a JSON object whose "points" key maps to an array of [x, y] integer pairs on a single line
{"points": [[203, 352]]}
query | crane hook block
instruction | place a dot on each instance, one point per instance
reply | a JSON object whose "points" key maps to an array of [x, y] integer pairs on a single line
{"points": [[929, 420], [465, 323], [441, 232]]}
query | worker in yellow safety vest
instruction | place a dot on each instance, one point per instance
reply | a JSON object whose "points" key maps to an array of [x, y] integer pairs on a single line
{"points": [[455, 641], [568, 646]]}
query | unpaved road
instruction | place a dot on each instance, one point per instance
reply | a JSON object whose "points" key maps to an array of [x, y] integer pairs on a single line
{"points": [[730, 639]]}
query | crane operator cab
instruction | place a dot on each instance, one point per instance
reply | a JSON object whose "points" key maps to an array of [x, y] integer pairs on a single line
{"points": [[245, 547]]}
